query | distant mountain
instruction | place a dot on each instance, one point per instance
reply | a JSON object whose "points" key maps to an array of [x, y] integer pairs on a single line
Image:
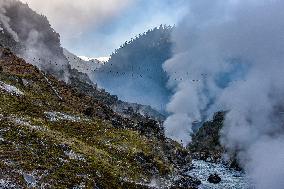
{"points": [[124, 108], [134, 71], [86, 65]]}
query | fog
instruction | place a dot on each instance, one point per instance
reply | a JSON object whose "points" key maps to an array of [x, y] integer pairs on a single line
{"points": [[229, 56]]}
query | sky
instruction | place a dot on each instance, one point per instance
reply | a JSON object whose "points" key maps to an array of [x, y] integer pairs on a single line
{"points": [[95, 28]]}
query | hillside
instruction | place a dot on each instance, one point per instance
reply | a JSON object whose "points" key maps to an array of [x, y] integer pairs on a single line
{"points": [[134, 71], [51, 135]]}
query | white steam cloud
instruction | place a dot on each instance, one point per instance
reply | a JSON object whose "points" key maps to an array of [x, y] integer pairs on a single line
{"points": [[5, 20], [40, 44], [71, 17], [229, 55]]}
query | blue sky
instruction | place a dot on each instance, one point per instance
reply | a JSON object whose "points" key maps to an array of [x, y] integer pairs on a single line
{"points": [[101, 39], [97, 27]]}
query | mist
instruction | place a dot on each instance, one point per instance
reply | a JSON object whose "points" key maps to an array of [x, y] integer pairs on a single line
{"points": [[229, 56], [32, 38], [5, 20]]}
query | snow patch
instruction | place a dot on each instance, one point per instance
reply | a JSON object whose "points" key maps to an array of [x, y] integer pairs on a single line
{"points": [[231, 179], [10, 89], [7, 184], [102, 59], [24, 122], [57, 116], [72, 155]]}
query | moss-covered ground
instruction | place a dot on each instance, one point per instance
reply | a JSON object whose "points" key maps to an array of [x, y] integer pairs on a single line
{"points": [[37, 151]]}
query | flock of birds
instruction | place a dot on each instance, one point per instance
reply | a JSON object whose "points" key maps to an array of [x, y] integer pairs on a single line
{"points": [[107, 70]]}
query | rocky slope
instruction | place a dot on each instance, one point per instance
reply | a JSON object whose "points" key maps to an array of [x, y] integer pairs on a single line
{"points": [[53, 136], [206, 143]]}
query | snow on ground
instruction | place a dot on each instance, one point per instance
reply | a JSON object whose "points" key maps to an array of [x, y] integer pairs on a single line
{"points": [[53, 88], [5, 183], [57, 116], [103, 59], [72, 155], [10, 89], [231, 179], [100, 59]]}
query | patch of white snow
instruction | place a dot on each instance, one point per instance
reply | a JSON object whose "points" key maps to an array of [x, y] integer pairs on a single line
{"points": [[10, 89], [231, 179]]}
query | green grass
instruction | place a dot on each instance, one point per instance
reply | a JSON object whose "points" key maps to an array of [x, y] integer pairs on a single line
{"points": [[39, 146]]}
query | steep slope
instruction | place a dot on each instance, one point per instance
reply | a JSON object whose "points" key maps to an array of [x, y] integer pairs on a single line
{"points": [[205, 142], [134, 72], [53, 136]]}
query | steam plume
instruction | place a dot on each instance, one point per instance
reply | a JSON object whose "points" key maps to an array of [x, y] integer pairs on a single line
{"points": [[229, 55], [5, 20], [39, 43]]}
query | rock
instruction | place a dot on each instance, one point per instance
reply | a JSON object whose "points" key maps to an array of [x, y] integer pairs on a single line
{"points": [[30, 180], [214, 178], [235, 165], [209, 159], [185, 182], [88, 112]]}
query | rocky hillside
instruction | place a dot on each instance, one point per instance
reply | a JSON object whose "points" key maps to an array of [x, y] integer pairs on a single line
{"points": [[206, 143], [53, 136]]}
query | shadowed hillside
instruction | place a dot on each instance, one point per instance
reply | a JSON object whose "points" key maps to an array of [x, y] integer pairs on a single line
{"points": [[134, 71]]}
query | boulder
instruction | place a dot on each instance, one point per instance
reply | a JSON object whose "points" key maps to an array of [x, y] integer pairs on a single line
{"points": [[214, 178]]}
